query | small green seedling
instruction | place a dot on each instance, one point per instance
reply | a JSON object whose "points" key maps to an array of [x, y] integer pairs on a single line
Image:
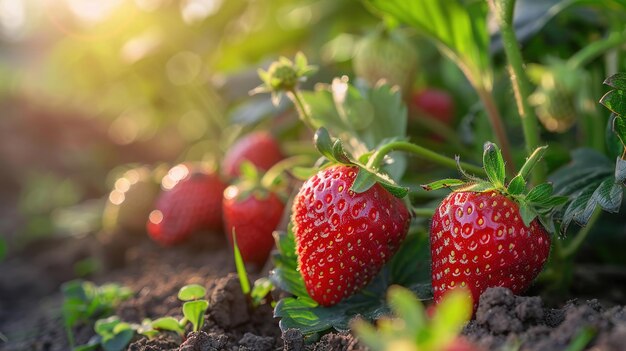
{"points": [[3, 249], [111, 335], [411, 326], [193, 311], [241, 268], [84, 302], [262, 286]]}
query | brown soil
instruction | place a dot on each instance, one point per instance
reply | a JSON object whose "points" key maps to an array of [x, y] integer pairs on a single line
{"points": [[30, 302]]}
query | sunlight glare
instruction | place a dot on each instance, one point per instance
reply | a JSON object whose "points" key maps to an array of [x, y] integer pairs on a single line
{"points": [[92, 11], [12, 18], [194, 11]]}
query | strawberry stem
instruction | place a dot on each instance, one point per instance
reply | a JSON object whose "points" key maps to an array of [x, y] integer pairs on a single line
{"points": [[596, 48], [295, 97], [503, 10], [423, 211], [269, 178], [378, 157]]}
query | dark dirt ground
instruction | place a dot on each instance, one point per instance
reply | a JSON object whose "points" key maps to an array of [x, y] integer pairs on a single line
{"points": [[30, 302]]}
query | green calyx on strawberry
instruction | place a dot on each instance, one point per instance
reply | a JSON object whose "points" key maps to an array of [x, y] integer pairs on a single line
{"points": [[386, 55], [348, 222], [284, 75], [489, 233], [253, 208]]}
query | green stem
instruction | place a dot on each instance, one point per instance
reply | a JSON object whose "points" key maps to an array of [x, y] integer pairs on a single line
{"points": [[498, 128], [521, 85], [571, 249], [595, 49], [295, 96], [377, 158], [423, 212], [276, 170]]}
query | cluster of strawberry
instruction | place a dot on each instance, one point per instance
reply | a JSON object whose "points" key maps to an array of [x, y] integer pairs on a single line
{"points": [[479, 238], [194, 199]]}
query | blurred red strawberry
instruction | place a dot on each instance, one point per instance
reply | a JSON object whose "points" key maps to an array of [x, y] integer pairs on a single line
{"points": [[259, 148], [433, 103], [254, 216], [191, 201]]}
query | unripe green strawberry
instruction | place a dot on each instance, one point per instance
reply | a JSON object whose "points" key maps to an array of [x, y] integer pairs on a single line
{"points": [[388, 56], [555, 97], [555, 108], [131, 201]]}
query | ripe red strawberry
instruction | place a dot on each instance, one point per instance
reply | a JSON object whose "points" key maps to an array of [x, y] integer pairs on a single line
{"points": [[478, 240], [191, 201], [254, 217], [259, 148], [433, 103], [343, 238]]}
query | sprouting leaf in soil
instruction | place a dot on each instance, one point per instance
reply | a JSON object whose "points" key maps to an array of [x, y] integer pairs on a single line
{"points": [[168, 323], [84, 302], [115, 334], [261, 288], [194, 312], [411, 327], [241, 268], [191, 292], [3, 249]]}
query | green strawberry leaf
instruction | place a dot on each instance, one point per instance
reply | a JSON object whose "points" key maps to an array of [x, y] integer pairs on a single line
{"points": [[458, 27], [619, 128], [409, 267], [517, 185], [620, 171], [540, 193], [615, 101], [589, 181], [285, 274], [443, 183], [363, 117], [494, 164], [617, 81]]}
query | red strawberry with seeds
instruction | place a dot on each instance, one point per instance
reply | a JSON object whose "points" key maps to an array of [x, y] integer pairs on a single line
{"points": [[258, 148], [254, 217], [488, 234], [191, 201], [344, 238], [479, 240]]}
